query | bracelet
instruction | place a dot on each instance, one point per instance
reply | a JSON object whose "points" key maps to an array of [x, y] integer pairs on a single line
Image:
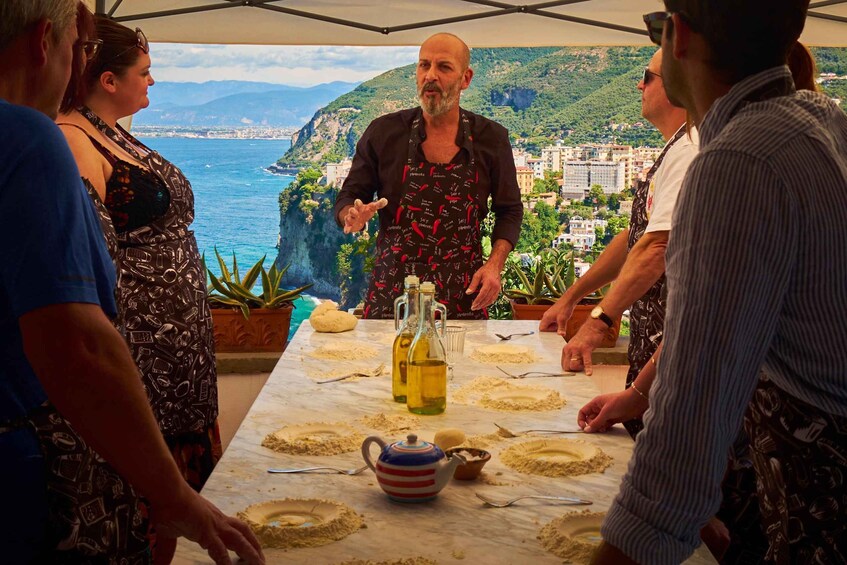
{"points": [[641, 394]]}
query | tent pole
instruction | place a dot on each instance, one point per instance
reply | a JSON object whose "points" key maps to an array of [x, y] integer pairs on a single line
{"points": [[100, 7]]}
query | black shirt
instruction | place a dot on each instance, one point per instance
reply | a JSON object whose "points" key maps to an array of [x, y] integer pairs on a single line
{"points": [[377, 170]]}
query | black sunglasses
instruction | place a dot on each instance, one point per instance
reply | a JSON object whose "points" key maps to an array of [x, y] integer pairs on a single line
{"points": [[648, 76], [140, 43], [655, 22]]}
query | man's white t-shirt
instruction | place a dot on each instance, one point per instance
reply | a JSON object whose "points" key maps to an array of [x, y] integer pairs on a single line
{"points": [[664, 187]]}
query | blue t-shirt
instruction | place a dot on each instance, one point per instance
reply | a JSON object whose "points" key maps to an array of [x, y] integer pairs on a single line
{"points": [[52, 249]]}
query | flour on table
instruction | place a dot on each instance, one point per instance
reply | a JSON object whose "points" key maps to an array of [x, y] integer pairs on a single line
{"points": [[573, 537], [501, 394], [405, 561], [504, 353], [391, 423], [556, 457], [317, 438], [346, 351], [294, 522]]}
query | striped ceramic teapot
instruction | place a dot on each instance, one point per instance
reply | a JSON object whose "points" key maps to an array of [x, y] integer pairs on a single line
{"points": [[411, 470]]}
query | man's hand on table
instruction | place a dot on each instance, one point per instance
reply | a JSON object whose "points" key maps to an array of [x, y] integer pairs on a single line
{"points": [[604, 411], [356, 216], [555, 319], [486, 282], [576, 354], [201, 521]]}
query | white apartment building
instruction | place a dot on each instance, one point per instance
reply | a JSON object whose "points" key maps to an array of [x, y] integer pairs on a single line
{"points": [[520, 157], [626, 208], [581, 175], [537, 166], [337, 172]]}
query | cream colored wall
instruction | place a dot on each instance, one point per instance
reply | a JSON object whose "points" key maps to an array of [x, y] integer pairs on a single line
{"points": [[236, 393]]}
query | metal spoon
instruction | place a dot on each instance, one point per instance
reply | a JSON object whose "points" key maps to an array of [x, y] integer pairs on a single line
{"points": [[565, 499]]}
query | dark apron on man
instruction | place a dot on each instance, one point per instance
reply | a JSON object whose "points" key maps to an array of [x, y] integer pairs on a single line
{"points": [[435, 234], [647, 314]]}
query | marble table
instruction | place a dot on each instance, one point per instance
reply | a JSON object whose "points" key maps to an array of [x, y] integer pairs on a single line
{"points": [[454, 528]]}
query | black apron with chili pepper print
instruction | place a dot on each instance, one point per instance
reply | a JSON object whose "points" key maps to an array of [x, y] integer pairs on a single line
{"points": [[647, 314], [436, 233]]}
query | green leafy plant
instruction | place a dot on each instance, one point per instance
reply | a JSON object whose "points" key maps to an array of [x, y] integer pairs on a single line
{"points": [[542, 279], [233, 290]]}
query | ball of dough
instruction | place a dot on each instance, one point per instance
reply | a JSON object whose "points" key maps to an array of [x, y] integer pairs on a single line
{"points": [[449, 437], [327, 318]]}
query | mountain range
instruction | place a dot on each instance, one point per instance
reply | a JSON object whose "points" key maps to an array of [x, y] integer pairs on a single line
{"points": [[580, 94], [236, 103]]}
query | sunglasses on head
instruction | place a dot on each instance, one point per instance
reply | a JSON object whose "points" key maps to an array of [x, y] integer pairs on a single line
{"points": [[140, 43], [647, 78], [655, 22], [91, 47]]}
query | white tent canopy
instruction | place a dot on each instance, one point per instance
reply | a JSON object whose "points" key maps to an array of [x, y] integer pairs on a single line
{"points": [[481, 23]]}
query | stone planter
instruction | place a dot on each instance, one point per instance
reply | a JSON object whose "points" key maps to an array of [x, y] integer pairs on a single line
{"points": [[580, 313], [265, 330], [522, 311]]}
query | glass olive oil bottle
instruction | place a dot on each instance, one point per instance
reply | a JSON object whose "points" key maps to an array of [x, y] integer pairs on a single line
{"points": [[406, 330], [427, 369]]}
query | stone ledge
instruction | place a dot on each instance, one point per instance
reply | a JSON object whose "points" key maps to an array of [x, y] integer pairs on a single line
{"points": [[612, 355], [247, 362]]}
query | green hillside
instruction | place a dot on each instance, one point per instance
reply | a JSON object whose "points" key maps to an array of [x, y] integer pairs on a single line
{"points": [[539, 94]]}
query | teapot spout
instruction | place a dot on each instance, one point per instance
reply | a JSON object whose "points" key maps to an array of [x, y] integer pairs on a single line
{"points": [[447, 469]]}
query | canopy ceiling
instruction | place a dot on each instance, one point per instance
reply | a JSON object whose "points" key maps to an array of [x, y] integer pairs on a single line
{"points": [[481, 23]]}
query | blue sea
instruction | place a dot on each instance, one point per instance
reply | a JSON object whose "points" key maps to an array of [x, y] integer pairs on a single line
{"points": [[235, 198]]}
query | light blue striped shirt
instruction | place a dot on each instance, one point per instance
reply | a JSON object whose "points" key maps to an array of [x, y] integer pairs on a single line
{"points": [[757, 279]]}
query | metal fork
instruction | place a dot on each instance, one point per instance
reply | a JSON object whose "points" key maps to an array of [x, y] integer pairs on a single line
{"points": [[532, 374], [349, 376], [510, 336], [375, 373], [565, 499], [311, 469], [509, 433]]}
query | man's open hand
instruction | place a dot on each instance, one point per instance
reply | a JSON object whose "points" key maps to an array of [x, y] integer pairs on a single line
{"points": [[358, 214], [486, 283]]}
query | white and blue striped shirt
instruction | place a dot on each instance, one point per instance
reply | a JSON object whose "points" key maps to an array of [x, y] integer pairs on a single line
{"points": [[757, 279]]}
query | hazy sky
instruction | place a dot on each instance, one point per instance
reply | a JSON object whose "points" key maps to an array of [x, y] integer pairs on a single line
{"points": [[284, 64]]}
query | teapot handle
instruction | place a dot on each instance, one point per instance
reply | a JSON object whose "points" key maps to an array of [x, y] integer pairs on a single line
{"points": [[366, 450]]}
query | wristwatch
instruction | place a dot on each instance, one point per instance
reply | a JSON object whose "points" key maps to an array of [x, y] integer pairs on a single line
{"points": [[598, 314]]}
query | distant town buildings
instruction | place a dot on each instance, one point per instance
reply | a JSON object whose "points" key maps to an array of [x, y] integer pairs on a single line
{"points": [[337, 172]]}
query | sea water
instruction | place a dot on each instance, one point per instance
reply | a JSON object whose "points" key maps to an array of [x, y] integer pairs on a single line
{"points": [[236, 200]]}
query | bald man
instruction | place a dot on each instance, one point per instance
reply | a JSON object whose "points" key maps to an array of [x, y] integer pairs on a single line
{"points": [[429, 172]]}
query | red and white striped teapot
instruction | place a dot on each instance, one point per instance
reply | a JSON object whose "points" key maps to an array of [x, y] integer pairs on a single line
{"points": [[411, 470]]}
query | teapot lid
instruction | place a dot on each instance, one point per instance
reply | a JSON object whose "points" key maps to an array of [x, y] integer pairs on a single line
{"points": [[411, 452]]}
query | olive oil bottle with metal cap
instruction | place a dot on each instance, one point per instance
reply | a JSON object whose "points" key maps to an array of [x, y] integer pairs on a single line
{"points": [[406, 327], [427, 369]]}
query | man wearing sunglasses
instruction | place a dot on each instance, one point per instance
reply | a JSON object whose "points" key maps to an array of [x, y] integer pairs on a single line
{"points": [[756, 275], [635, 261]]}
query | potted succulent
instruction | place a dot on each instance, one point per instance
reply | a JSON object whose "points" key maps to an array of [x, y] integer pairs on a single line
{"points": [[539, 282], [248, 321]]}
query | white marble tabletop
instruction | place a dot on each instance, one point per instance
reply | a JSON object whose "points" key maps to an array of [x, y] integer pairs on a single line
{"points": [[454, 528]]}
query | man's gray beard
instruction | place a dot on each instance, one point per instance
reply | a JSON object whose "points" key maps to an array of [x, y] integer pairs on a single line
{"points": [[440, 107]]}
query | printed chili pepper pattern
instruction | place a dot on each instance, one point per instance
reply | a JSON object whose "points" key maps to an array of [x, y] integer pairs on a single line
{"points": [[436, 233]]}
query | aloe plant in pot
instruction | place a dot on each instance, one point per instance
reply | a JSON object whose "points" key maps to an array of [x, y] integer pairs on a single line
{"points": [[245, 320], [541, 281]]}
